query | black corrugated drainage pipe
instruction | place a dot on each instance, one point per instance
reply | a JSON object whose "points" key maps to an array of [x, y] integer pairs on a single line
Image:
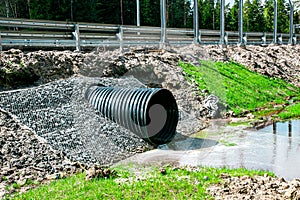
{"points": [[150, 113]]}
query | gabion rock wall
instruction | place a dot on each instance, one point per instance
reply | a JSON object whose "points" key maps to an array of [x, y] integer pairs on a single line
{"points": [[58, 112]]}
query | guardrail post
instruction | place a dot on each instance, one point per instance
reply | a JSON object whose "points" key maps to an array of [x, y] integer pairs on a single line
{"points": [[244, 39], [291, 22], [76, 34], [138, 15], [120, 37], [196, 23], [163, 37], [222, 23], [199, 37], [280, 39], [264, 38], [0, 42], [241, 22], [294, 39], [294, 33], [275, 23], [225, 38]]}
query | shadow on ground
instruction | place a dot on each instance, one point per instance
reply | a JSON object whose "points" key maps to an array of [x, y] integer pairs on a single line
{"points": [[185, 143]]}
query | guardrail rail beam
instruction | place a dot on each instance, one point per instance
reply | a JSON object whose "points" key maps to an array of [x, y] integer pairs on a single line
{"points": [[33, 34]]}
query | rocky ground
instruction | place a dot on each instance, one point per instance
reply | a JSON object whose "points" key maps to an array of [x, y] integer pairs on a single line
{"points": [[257, 187], [60, 122], [26, 157]]}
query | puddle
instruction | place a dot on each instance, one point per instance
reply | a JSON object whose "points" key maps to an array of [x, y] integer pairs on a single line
{"points": [[290, 128], [275, 148]]}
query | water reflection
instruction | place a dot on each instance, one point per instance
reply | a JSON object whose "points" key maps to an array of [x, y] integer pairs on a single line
{"points": [[191, 143], [275, 148], [290, 128]]}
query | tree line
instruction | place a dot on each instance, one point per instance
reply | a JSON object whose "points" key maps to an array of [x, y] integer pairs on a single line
{"points": [[257, 15]]}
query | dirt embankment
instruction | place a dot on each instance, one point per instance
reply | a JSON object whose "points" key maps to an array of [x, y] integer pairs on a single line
{"points": [[154, 68], [274, 61], [18, 68]]}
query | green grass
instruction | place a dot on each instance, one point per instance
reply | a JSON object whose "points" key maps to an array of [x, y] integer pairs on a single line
{"points": [[240, 123], [227, 143], [290, 112], [238, 87], [16, 186], [268, 111], [200, 134], [176, 183]]}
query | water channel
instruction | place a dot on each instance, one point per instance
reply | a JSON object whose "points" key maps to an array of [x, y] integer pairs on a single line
{"points": [[275, 148]]}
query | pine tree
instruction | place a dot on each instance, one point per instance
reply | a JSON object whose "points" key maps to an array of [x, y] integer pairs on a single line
{"points": [[217, 14], [40, 9], [14, 8], [178, 11], [108, 12], [206, 14], [283, 17], [257, 20], [269, 15], [129, 12], [233, 17], [150, 12]]}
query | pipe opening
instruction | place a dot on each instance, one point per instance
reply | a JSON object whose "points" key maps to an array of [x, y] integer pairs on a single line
{"points": [[152, 113], [161, 117]]}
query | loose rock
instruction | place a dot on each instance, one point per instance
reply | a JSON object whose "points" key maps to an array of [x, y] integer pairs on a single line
{"points": [[257, 187]]}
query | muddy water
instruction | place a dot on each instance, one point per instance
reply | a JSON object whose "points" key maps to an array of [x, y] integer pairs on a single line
{"points": [[275, 148]]}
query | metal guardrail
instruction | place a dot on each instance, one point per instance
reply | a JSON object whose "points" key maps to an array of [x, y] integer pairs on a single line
{"points": [[24, 33]]}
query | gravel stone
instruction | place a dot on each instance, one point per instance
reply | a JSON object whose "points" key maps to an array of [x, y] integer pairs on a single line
{"points": [[25, 156], [58, 113]]}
